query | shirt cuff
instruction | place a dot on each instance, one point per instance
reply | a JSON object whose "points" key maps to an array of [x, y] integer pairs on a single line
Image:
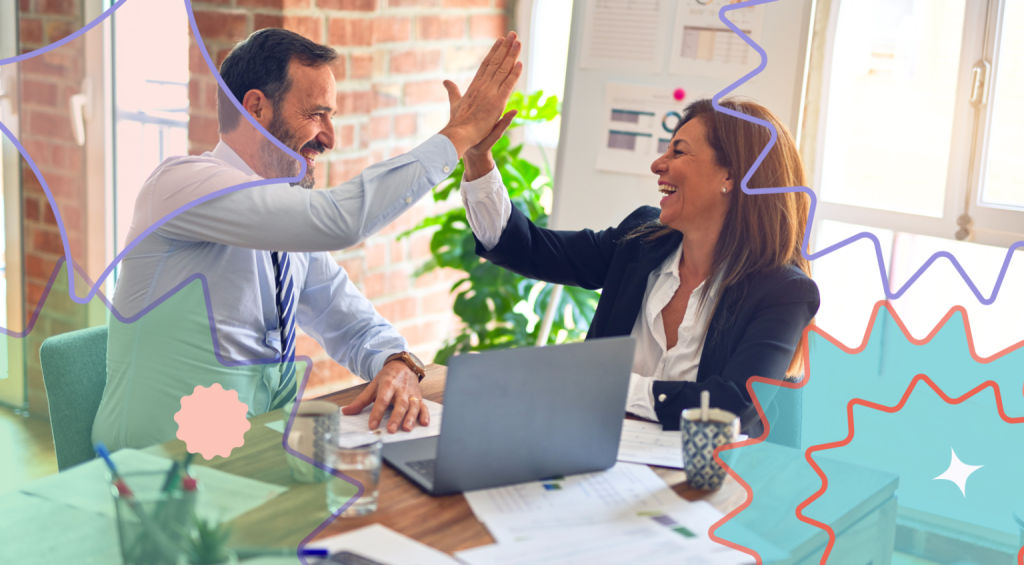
{"points": [[481, 188], [640, 401], [377, 364], [438, 157]]}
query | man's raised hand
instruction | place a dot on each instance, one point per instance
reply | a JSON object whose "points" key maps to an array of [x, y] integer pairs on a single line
{"points": [[475, 114]]}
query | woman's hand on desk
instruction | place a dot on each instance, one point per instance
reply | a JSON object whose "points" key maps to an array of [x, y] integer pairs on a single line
{"points": [[394, 384]]}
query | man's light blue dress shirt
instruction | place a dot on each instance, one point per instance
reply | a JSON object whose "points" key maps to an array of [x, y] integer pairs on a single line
{"points": [[156, 359]]}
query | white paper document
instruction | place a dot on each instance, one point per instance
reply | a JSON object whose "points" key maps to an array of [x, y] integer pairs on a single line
{"points": [[643, 544], [624, 493], [669, 539], [639, 123], [361, 422], [704, 46], [647, 544], [625, 35], [646, 442], [37, 531], [223, 496], [384, 545]]}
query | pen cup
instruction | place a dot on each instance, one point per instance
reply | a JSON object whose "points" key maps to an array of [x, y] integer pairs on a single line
{"points": [[151, 523], [700, 438], [358, 456], [315, 420]]}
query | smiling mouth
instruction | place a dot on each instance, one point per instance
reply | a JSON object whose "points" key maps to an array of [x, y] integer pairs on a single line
{"points": [[667, 189]]}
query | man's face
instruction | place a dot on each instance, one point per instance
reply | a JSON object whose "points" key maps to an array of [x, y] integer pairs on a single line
{"points": [[302, 121]]}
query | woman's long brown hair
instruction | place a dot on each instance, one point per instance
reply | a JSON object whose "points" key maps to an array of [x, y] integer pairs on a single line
{"points": [[762, 231]]}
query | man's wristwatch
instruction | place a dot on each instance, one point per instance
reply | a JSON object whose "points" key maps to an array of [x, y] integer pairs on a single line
{"points": [[411, 360]]}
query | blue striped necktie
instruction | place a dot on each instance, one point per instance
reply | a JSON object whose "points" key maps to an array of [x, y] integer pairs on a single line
{"points": [[286, 318]]}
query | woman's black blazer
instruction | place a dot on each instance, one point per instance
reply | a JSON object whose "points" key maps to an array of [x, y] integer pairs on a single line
{"points": [[753, 332]]}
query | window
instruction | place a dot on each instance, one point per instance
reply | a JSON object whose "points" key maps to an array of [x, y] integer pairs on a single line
{"points": [[548, 23], [12, 380], [920, 119], [150, 97], [917, 128]]}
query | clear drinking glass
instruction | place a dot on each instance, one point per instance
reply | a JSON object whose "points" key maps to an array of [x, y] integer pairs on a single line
{"points": [[151, 523], [358, 457]]}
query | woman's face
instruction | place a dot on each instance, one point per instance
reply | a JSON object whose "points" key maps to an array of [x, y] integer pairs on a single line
{"points": [[691, 181]]}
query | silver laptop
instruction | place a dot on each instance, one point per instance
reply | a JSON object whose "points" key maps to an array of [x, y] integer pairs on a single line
{"points": [[519, 415]]}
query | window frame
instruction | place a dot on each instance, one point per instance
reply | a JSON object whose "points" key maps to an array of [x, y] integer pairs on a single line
{"points": [[13, 387], [990, 226], [997, 225], [99, 158]]}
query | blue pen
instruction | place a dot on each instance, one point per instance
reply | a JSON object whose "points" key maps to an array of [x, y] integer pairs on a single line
{"points": [[103, 452], [251, 552]]}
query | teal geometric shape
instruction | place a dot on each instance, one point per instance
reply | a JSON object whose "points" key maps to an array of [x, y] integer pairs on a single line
{"points": [[915, 446]]}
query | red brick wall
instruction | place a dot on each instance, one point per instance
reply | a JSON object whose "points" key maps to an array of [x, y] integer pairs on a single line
{"points": [[47, 83], [394, 55]]}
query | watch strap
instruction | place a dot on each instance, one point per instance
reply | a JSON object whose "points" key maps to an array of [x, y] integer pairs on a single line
{"points": [[408, 359]]}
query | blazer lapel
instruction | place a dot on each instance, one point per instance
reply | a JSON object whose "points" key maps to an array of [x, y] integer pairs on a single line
{"points": [[634, 285]]}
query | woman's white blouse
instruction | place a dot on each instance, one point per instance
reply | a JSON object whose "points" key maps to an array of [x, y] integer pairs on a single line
{"points": [[488, 209]]}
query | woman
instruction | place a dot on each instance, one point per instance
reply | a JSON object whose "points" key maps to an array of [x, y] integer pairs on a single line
{"points": [[713, 285]]}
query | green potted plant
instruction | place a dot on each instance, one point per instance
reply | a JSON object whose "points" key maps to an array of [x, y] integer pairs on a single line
{"points": [[501, 309], [206, 544]]}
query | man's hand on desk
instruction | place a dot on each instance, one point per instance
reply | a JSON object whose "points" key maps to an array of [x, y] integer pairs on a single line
{"points": [[396, 383]]}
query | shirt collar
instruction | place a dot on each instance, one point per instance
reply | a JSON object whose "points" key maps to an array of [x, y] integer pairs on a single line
{"points": [[225, 153], [670, 267], [671, 264]]}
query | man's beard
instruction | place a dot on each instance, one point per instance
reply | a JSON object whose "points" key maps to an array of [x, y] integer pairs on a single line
{"points": [[278, 163]]}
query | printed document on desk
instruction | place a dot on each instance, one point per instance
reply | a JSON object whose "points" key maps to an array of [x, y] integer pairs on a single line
{"points": [[644, 544], [376, 542], [383, 544], [624, 493], [361, 422], [646, 442], [680, 537], [224, 496]]}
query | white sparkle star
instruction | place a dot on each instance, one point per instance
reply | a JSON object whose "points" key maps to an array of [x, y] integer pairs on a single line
{"points": [[958, 472]]}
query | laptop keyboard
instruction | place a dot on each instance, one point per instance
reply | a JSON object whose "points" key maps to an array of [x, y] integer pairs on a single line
{"points": [[424, 467]]}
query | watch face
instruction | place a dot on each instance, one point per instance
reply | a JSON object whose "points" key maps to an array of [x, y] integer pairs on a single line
{"points": [[416, 359]]}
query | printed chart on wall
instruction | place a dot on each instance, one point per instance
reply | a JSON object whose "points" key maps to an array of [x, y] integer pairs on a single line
{"points": [[625, 35], [703, 46], [639, 123]]}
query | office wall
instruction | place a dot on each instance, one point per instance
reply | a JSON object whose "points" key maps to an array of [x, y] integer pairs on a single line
{"points": [[47, 84], [395, 53]]}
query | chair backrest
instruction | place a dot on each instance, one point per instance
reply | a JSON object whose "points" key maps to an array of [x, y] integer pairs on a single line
{"points": [[75, 373], [785, 412]]}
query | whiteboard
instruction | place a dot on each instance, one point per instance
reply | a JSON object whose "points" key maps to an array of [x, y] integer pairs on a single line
{"points": [[586, 197]]}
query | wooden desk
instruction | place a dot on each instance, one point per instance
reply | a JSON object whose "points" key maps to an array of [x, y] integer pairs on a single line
{"points": [[445, 523]]}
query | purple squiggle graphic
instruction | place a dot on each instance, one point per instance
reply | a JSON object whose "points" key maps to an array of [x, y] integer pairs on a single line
{"points": [[78, 33], [220, 358], [814, 201], [131, 245]]}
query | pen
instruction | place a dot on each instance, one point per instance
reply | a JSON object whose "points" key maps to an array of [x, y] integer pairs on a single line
{"points": [[122, 487], [250, 552], [129, 498], [103, 452], [172, 476], [188, 462]]}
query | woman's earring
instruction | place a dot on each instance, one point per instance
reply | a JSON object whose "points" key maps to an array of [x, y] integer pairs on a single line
{"points": [[724, 190]]}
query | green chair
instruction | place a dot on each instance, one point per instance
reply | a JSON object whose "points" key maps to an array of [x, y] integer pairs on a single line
{"points": [[75, 372]]}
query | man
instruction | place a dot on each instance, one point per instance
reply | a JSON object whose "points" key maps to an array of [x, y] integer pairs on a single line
{"points": [[262, 250]]}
